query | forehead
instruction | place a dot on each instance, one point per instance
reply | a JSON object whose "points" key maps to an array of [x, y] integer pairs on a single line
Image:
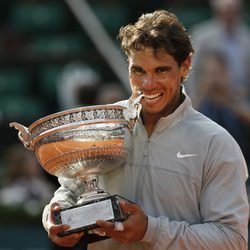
{"points": [[150, 56], [222, 4]]}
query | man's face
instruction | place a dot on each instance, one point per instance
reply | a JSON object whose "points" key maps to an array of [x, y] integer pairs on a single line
{"points": [[158, 77], [228, 11]]}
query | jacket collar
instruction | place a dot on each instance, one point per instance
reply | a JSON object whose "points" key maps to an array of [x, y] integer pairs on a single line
{"points": [[173, 118]]}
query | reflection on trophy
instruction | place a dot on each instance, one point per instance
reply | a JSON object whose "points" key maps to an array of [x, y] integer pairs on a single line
{"points": [[84, 143]]}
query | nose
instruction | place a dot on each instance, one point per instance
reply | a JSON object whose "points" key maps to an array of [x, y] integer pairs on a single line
{"points": [[148, 81]]}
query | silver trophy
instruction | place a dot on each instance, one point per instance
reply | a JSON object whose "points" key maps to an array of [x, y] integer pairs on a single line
{"points": [[84, 143]]}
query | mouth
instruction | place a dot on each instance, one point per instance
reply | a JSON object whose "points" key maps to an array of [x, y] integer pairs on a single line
{"points": [[152, 97]]}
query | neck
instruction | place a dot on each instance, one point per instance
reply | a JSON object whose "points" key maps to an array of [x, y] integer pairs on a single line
{"points": [[150, 119]]}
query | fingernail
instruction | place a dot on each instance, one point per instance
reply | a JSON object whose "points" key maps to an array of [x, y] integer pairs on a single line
{"points": [[56, 208], [95, 231], [66, 227], [98, 222], [122, 203]]}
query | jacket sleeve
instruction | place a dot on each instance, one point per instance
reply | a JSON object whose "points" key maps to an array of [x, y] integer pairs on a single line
{"points": [[223, 207], [66, 196]]}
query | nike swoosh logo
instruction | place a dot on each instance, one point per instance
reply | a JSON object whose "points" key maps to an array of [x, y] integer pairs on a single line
{"points": [[180, 155]]}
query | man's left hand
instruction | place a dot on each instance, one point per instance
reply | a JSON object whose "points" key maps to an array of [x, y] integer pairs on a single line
{"points": [[131, 230]]}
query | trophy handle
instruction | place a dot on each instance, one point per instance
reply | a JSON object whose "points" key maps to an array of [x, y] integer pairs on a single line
{"points": [[23, 134], [132, 112]]}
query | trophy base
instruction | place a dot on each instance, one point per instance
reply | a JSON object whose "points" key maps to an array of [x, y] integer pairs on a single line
{"points": [[83, 217]]}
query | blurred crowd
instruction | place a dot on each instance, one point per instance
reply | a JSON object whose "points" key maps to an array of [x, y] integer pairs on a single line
{"points": [[81, 85], [219, 83], [24, 183]]}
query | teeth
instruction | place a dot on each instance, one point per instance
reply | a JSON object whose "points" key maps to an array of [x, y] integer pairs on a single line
{"points": [[152, 96]]}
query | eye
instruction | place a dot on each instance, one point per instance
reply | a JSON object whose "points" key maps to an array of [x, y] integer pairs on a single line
{"points": [[137, 70], [161, 70]]}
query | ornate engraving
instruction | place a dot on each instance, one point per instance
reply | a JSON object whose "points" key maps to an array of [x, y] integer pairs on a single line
{"points": [[85, 115]]}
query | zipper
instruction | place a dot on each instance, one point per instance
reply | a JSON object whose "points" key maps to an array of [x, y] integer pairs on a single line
{"points": [[141, 181]]}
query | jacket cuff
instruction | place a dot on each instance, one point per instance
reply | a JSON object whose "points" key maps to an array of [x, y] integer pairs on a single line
{"points": [[151, 233]]}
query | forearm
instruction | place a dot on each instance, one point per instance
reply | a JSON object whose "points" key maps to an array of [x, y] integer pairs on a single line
{"points": [[174, 235], [65, 196]]}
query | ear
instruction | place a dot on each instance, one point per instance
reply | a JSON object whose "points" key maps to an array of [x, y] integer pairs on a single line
{"points": [[185, 67]]}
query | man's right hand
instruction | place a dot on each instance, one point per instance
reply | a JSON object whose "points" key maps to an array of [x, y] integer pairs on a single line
{"points": [[54, 229]]}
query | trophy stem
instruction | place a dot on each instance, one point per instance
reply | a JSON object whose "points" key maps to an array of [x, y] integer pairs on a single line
{"points": [[92, 191]]}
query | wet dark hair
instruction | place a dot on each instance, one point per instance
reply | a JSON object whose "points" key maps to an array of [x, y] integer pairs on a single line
{"points": [[158, 30]]}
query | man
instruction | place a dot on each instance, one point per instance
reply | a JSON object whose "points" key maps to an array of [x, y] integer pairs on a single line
{"points": [[185, 173], [225, 33]]}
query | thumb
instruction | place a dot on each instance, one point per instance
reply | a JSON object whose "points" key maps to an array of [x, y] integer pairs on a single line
{"points": [[55, 207]]}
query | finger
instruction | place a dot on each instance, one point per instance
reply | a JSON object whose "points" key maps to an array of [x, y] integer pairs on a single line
{"points": [[105, 225], [68, 240], [97, 231], [76, 235], [118, 226], [56, 229], [128, 207], [73, 236], [110, 229]]}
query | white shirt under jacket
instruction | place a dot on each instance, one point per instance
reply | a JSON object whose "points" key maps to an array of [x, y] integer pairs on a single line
{"points": [[188, 177]]}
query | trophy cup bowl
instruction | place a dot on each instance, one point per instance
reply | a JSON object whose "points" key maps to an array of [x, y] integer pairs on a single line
{"points": [[84, 143]]}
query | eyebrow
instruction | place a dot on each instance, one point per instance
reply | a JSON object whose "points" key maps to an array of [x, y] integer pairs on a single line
{"points": [[164, 67], [136, 67]]}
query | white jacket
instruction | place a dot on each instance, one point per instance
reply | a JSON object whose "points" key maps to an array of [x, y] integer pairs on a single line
{"points": [[188, 177]]}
